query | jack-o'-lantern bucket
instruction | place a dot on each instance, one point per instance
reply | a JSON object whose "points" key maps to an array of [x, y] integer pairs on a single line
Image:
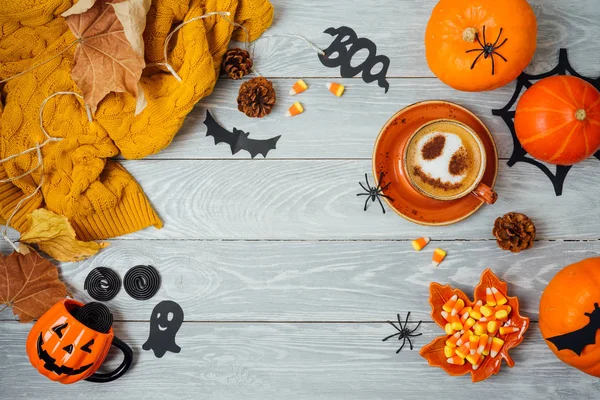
{"points": [[71, 340]]}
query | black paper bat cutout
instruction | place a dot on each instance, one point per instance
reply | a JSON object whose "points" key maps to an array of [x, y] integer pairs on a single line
{"points": [[238, 139], [519, 154], [577, 340]]}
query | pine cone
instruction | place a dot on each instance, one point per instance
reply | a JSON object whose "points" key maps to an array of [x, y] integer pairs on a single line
{"points": [[514, 232], [237, 63], [256, 97]]}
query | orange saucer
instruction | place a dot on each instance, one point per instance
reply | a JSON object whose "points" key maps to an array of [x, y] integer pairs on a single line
{"points": [[387, 157]]}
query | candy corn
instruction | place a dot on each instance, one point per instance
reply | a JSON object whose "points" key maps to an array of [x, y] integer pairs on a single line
{"points": [[464, 338], [448, 328], [451, 342], [505, 330], [490, 300], [474, 359], [499, 297], [299, 87], [449, 305], [472, 330], [476, 312], [504, 307], [497, 344], [488, 346], [336, 88], [420, 243], [488, 319], [463, 350], [493, 326], [446, 316], [480, 328], [456, 323], [460, 303], [483, 339], [456, 360], [468, 324], [449, 351], [438, 257], [464, 318], [295, 109], [487, 311], [473, 343], [501, 315]]}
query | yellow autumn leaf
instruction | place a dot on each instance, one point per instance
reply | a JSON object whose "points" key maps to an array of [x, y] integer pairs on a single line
{"points": [[55, 236]]}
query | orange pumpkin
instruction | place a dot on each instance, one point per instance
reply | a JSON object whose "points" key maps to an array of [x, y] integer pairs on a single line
{"points": [[64, 350], [477, 45], [570, 317], [558, 120]]}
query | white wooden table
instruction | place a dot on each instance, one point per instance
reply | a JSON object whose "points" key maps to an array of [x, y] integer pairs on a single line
{"points": [[285, 282]]}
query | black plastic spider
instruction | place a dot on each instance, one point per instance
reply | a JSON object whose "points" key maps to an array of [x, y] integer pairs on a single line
{"points": [[488, 49], [374, 192], [403, 332]]}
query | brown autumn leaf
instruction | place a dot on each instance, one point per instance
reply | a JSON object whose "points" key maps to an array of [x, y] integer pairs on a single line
{"points": [[105, 60], [55, 236], [29, 284]]}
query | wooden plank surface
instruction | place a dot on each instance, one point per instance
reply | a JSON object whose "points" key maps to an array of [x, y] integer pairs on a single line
{"points": [[284, 280], [348, 125], [295, 361], [318, 281], [316, 199], [569, 24]]}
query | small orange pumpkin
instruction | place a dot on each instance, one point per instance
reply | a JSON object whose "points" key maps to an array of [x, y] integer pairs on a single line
{"points": [[558, 120], [63, 349], [570, 317], [477, 45]]}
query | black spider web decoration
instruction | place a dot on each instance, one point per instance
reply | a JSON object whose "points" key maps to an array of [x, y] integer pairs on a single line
{"points": [[524, 82]]}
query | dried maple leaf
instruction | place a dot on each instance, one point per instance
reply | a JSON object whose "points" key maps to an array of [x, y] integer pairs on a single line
{"points": [[55, 236], [434, 351], [105, 60], [29, 284], [132, 15], [79, 7]]}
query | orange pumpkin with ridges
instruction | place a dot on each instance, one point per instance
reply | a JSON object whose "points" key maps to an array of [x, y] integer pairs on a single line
{"points": [[477, 45], [558, 120], [570, 316]]}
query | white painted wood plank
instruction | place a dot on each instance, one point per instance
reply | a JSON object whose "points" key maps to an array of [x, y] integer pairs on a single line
{"points": [[330, 127], [290, 199], [398, 30], [323, 281], [294, 361]]}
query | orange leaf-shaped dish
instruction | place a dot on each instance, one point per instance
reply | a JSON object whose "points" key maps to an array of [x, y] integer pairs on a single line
{"points": [[434, 351]]}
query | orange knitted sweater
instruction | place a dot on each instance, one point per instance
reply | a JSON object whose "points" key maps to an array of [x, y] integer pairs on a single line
{"points": [[100, 198]]}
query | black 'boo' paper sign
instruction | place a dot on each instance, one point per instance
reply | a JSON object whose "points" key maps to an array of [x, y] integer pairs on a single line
{"points": [[347, 37], [524, 82]]}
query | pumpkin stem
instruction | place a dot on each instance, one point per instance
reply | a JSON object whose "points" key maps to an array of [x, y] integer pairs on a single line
{"points": [[580, 114], [469, 35]]}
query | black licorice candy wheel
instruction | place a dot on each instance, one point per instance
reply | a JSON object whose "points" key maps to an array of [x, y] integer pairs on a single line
{"points": [[142, 282], [102, 284], [95, 316]]}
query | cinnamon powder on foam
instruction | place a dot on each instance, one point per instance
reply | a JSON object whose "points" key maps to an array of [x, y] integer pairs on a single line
{"points": [[459, 162]]}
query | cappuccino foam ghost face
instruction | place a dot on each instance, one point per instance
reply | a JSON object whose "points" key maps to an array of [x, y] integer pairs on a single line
{"points": [[443, 160], [436, 164]]}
